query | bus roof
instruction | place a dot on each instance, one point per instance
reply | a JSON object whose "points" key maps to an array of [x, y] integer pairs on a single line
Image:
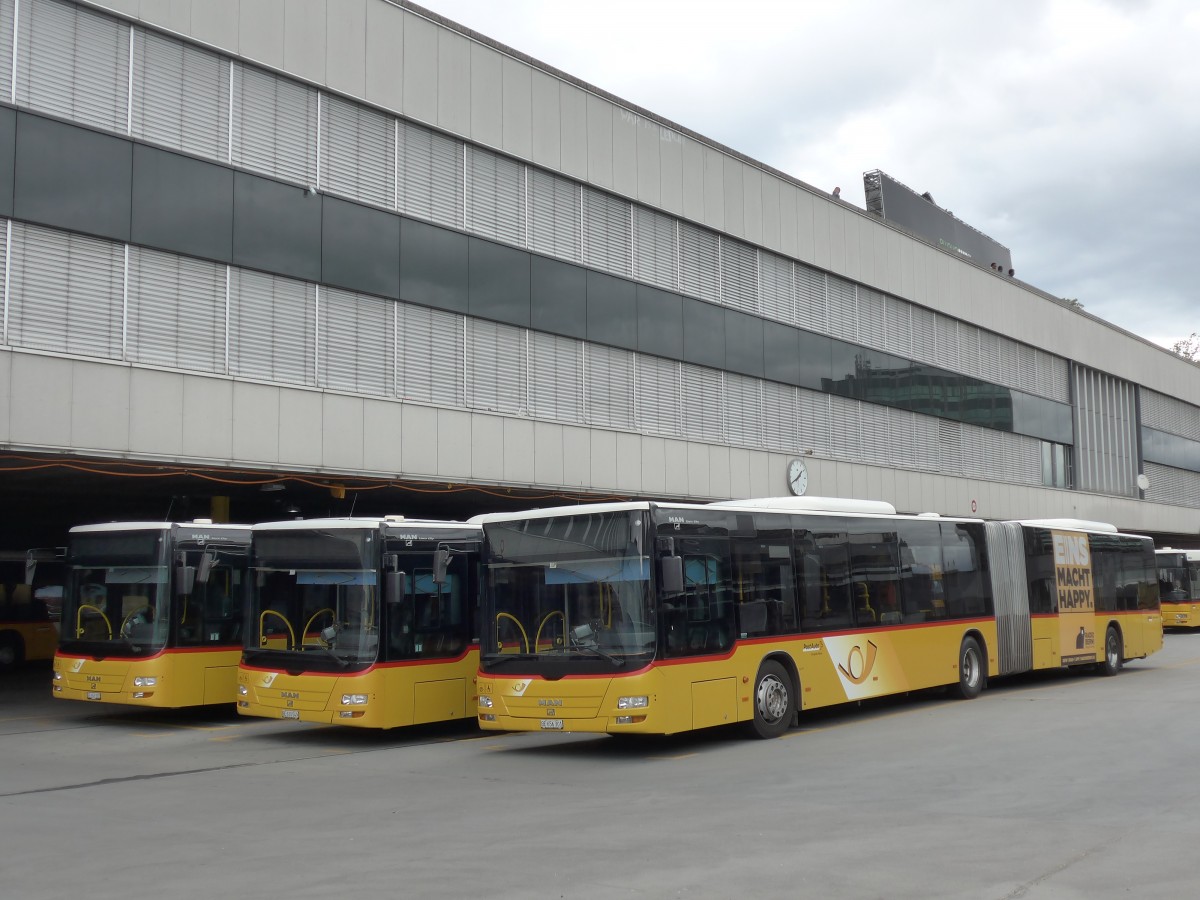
{"points": [[813, 504], [1072, 525], [152, 526], [358, 523]]}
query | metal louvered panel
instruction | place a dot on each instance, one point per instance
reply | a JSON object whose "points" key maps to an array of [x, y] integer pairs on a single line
{"points": [[813, 420], [554, 215], [495, 196], [73, 63], [1027, 369], [496, 367], [358, 152], [180, 96], [876, 434], [272, 328], [739, 275], [812, 299], [898, 326], [845, 429], [1054, 375], [703, 403], [968, 349], [659, 405], [608, 386], [431, 354], [781, 417], [843, 309], [4, 238], [354, 350], [431, 175], [176, 311], [902, 435], [926, 444], [1010, 593], [655, 248], [948, 346], [65, 293], [555, 377], [274, 125], [1170, 485], [699, 263], [7, 12], [778, 293], [924, 335], [744, 411], [989, 356], [1170, 414], [950, 444], [607, 238], [872, 318]]}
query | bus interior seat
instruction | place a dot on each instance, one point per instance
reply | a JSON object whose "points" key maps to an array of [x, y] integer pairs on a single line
{"points": [[752, 617]]}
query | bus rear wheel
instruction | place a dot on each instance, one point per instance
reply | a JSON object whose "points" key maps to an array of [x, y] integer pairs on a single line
{"points": [[970, 669], [12, 652], [1113, 652], [774, 701]]}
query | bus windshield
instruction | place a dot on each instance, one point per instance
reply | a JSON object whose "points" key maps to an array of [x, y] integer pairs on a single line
{"points": [[315, 593], [569, 587], [117, 597]]}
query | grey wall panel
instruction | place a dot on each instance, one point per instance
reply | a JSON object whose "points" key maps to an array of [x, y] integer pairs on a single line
{"points": [[181, 203], [8, 156], [654, 466], [360, 248], [487, 96], [741, 462], [734, 192], [276, 227], [628, 458], [675, 456], [577, 456], [789, 230], [345, 62], [6, 389], [719, 481], [216, 23], [519, 452], [433, 266], [602, 451], [670, 151], [714, 189], [546, 120], [821, 253], [99, 402], [255, 422], [835, 240], [649, 161], [455, 72], [38, 415], [419, 451], [261, 30], [383, 437], [487, 448], [208, 418], [806, 226], [573, 116], [625, 151], [518, 109], [301, 443], [548, 459], [692, 154], [770, 189], [156, 412], [72, 178], [453, 443], [342, 431], [599, 141], [384, 57], [420, 69], [304, 32], [698, 473]]}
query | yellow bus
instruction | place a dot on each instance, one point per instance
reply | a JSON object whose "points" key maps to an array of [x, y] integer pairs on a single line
{"points": [[30, 598], [347, 626], [152, 613], [1179, 587], [661, 618]]}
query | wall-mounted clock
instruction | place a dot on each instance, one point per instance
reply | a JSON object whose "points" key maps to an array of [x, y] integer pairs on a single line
{"points": [[797, 476]]}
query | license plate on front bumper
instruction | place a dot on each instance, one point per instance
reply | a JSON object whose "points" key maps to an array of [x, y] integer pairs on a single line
{"points": [[291, 713], [552, 724], [93, 695]]}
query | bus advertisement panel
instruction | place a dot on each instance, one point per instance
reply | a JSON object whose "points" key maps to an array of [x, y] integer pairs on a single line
{"points": [[1076, 605]]}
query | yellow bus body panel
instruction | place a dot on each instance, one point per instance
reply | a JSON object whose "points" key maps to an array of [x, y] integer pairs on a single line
{"points": [[1181, 615], [396, 694], [39, 639], [182, 678]]}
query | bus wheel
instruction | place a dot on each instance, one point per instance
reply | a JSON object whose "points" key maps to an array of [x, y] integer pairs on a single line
{"points": [[1113, 652], [11, 652], [970, 669], [774, 701]]}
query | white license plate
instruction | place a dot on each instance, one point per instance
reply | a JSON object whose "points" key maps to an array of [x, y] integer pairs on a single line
{"points": [[93, 695], [552, 724], [291, 713]]}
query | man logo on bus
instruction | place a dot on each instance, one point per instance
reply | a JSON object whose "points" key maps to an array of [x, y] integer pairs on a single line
{"points": [[859, 665]]}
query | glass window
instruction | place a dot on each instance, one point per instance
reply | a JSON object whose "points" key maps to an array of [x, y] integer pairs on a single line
{"points": [[612, 311], [182, 204], [815, 356], [764, 584], [701, 618], [360, 248], [824, 558], [559, 297], [498, 283], [781, 353], [967, 585], [660, 322], [874, 576], [743, 343], [433, 266], [922, 595], [276, 227], [703, 334], [432, 619], [8, 150]]}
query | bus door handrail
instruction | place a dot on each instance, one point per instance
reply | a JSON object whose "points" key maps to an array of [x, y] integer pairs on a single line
{"points": [[262, 639], [517, 622], [79, 619]]}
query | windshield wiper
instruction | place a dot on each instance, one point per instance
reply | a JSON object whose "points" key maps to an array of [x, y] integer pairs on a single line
{"points": [[505, 658], [615, 660]]}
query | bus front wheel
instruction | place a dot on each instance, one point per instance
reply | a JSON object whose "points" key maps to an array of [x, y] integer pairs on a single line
{"points": [[970, 669], [774, 701], [1113, 652]]}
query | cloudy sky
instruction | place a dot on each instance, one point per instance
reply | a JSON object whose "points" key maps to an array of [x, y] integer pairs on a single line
{"points": [[1068, 130]]}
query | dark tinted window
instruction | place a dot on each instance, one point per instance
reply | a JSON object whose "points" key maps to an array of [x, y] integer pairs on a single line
{"points": [[764, 584], [360, 248], [781, 353], [499, 282], [8, 151], [703, 334], [824, 559], [559, 297], [182, 204], [611, 311], [701, 618], [743, 343], [276, 227], [967, 586], [433, 266], [660, 322]]}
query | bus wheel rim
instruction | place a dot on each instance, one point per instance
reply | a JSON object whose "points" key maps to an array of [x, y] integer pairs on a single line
{"points": [[970, 668], [772, 699]]}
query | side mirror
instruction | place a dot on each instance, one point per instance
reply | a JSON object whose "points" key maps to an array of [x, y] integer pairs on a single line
{"points": [[393, 587], [672, 574], [206, 563], [185, 580], [441, 562]]}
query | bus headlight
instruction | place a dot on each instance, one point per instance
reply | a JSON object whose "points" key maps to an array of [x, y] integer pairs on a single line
{"points": [[485, 702], [633, 702], [58, 676], [353, 699], [145, 681]]}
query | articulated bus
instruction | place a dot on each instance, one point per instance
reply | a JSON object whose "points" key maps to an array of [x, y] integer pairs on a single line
{"points": [[152, 613], [348, 626], [30, 598], [1179, 587], [661, 618]]}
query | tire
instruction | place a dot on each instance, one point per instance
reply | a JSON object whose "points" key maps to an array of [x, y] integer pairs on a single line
{"points": [[12, 652], [774, 701], [1114, 652], [971, 673]]}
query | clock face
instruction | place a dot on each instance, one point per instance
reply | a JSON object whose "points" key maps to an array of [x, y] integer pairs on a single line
{"points": [[797, 476]]}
